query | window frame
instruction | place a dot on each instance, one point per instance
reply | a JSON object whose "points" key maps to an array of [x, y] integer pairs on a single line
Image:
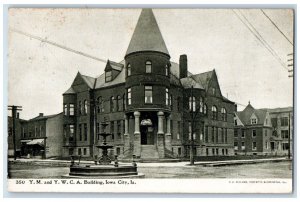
{"points": [[148, 66], [148, 89], [108, 76]]}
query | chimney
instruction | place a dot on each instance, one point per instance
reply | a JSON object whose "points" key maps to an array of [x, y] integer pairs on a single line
{"points": [[41, 114], [183, 66], [18, 115]]}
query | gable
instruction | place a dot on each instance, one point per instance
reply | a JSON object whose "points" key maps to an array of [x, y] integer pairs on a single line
{"points": [[81, 80], [213, 86]]}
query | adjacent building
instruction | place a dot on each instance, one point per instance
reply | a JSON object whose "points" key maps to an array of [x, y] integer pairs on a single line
{"points": [[154, 107], [262, 131], [41, 137]]}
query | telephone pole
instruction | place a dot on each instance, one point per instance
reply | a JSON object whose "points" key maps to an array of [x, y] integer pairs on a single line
{"points": [[14, 110], [291, 71], [192, 160]]}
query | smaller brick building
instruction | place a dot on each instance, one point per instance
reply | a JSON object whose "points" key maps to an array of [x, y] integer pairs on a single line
{"points": [[253, 132]]}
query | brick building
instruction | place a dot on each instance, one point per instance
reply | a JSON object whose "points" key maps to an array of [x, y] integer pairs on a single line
{"points": [[41, 137], [147, 99], [282, 126], [262, 131]]}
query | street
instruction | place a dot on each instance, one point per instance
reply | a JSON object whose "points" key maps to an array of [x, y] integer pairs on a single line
{"points": [[171, 170]]}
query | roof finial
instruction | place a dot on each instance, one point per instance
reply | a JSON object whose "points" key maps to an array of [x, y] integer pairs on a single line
{"points": [[249, 102]]}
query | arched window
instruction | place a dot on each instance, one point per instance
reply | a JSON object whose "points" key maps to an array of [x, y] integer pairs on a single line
{"points": [[129, 96], [148, 66], [214, 112], [100, 105], [119, 103], [85, 107], [201, 105], [192, 104], [128, 69], [224, 114], [204, 109], [111, 102], [167, 96], [124, 101], [167, 70]]}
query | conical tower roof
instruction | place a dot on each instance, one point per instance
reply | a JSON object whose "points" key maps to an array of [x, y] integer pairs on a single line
{"points": [[147, 36]]}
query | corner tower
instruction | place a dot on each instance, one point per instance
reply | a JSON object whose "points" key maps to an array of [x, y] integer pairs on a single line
{"points": [[147, 63]]}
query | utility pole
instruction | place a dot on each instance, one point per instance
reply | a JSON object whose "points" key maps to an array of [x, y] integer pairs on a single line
{"points": [[14, 110], [290, 64], [192, 160]]}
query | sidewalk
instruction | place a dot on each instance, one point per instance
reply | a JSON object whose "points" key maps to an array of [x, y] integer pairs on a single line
{"points": [[51, 162]]}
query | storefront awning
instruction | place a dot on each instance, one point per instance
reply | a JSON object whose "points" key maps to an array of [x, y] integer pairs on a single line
{"points": [[36, 141]]}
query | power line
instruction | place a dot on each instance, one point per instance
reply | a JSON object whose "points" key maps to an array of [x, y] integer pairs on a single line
{"points": [[260, 38], [276, 27], [57, 45]]}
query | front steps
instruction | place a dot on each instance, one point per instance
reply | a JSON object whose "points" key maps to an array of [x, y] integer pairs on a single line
{"points": [[149, 152]]}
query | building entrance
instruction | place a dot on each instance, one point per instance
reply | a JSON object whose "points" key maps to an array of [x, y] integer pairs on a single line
{"points": [[147, 135]]}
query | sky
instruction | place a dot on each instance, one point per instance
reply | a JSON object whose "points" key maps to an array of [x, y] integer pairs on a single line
{"points": [[39, 73]]}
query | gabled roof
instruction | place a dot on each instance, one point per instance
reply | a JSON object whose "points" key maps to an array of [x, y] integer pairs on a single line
{"points": [[246, 114], [113, 65], [188, 82], [203, 78], [69, 91], [89, 80], [146, 35]]}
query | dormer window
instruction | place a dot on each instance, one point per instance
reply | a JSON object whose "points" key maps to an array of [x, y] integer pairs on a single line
{"points": [[148, 67], [108, 76], [253, 121], [128, 70]]}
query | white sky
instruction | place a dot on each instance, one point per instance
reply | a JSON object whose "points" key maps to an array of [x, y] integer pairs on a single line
{"points": [[212, 39]]}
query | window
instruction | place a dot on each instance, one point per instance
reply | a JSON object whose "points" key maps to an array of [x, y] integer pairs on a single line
{"points": [[225, 129], [254, 133], [35, 132], [284, 134], [236, 146], [85, 107], [253, 121], [167, 70], [41, 131], [204, 109], [65, 109], [243, 145], [80, 132], [267, 145], [119, 129], [72, 110], [274, 122], [214, 112], [206, 134], [119, 103], [128, 69], [124, 102], [190, 130], [217, 134], [71, 151], [167, 96], [79, 151], [148, 66], [192, 104], [71, 135], [84, 151], [235, 122], [23, 131], [111, 102], [224, 114], [253, 145], [118, 151], [213, 91], [112, 131], [179, 151], [284, 121], [171, 101], [79, 107], [129, 96], [236, 133], [108, 76], [148, 94], [100, 107], [201, 105], [212, 134], [243, 133], [85, 132], [178, 129]]}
